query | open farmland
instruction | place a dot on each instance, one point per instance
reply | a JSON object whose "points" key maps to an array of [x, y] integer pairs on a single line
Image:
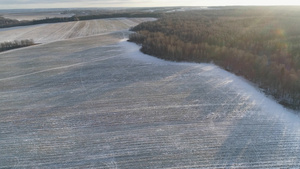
{"points": [[35, 15], [97, 102], [59, 31]]}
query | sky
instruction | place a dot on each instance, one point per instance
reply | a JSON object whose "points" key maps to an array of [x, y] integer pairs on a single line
{"points": [[22, 4]]}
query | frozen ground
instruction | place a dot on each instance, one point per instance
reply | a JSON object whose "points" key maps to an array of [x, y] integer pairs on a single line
{"points": [[35, 15], [97, 102], [45, 33]]}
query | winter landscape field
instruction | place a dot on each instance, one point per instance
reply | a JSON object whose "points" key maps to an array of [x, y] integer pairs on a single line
{"points": [[35, 15], [45, 33], [87, 98]]}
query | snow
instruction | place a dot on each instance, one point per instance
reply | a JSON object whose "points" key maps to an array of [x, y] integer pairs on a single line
{"points": [[97, 101], [47, 33], [36, 15], [242, 86]]}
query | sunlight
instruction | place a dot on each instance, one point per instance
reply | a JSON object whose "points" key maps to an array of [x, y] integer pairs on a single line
{"points": [[253, 2]]}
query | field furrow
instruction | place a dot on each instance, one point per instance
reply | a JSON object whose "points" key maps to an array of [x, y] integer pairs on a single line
{"points": [[60, 31], [97, 102]]}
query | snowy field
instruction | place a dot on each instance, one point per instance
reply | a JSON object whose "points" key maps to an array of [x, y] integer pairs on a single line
{"points": [[35, 15], [45, 33], [97, 102]]}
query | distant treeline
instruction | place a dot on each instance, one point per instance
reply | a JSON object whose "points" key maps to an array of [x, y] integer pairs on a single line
{"points": [[261, 44], [6, 23], [15, 44]]}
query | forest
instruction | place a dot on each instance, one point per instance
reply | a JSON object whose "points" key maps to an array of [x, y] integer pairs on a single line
{"points": [[262, 44], [15, 44], [6, 21]]}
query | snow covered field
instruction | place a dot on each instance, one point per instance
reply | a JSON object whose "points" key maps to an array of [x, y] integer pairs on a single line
{"points": [[59, 31], [35, 15], [98, 102]]}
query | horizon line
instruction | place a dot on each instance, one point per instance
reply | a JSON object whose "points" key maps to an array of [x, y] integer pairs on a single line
{"points": [[151, 7]]}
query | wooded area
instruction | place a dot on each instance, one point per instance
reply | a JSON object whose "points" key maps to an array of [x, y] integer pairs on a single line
{"points": [[6, 21], [15, 44], [261, 44]]}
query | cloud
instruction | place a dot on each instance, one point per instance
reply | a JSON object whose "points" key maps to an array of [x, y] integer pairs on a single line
{"points": [[9, 4], [71, 3]]}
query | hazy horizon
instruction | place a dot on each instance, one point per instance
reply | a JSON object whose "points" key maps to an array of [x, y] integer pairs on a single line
{"points": [[38, 4]]}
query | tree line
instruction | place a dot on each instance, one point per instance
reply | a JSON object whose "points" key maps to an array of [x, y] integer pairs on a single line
{"points": [[261, 44], [6, 23], [15, 44]]}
